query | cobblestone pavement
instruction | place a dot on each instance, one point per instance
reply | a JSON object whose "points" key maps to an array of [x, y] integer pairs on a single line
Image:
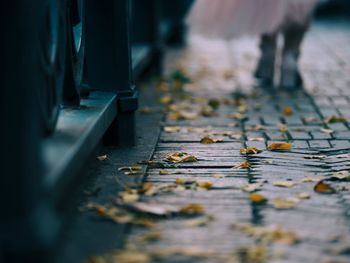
{"points": [[315, 226]]}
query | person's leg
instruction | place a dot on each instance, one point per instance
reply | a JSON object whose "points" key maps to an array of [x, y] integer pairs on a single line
{"points": [[293, 37], [266, 67]]}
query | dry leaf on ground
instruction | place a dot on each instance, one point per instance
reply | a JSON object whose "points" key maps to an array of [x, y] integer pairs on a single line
{"points": [[251, 187], [102, 157], [243, 165], [341, 176], [327, 131], [324, 188], [284, 203], [192, 209], [313, 179], [163, 172], [250, 150], [257, 198], [279, 146], [268, 234], [303, 196], [210, 140], [286, 184], [287, 111], [201, 221], [129, 196], [148, 237], [336, 119], [172, 129], [181, 157]]}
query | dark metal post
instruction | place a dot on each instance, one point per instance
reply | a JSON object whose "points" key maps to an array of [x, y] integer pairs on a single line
{"points": [[109, 64], [27, 224]]}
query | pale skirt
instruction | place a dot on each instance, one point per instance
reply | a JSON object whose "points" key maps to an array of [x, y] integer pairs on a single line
{"points": [[232, 18]]}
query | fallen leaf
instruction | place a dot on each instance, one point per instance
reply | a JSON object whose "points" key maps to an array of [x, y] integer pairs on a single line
{"points": [[243, 165], [284, 203], [268, 234], [201, 221], [131, 170], [256, 139], [132, 256], [279, 146], [102, 157], [286, 184], [303, 196], [205, 184], [315, 157], [251, 187], [197, 129], [257, 198], [129, 196], [313, 179], [163, 172], [148, 237], [327, 131], [287, 111], [341, 176], [228, 74], [250, 150], [220, 176], [167, 99], [192, 209], [172, 129], [181, 157], [210, 140], [336, 119], [324, 188]]}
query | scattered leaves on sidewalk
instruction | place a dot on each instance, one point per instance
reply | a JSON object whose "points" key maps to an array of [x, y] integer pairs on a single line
{"points": [[285, 184], [243, 165], [279, 146], [181, 157], [102, 157], [324, 188], [284, 203], [268, 234], [210, 140], [257, 198], [303, 195], [250, 150]]}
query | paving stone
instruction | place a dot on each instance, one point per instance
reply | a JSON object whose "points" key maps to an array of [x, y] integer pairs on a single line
{"points": [[299, 135], [319, 144]]}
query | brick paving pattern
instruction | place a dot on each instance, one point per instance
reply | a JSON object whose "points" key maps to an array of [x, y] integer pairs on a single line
{"points": [[321, 222]]}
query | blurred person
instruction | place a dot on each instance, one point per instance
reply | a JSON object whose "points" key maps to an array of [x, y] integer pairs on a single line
{"points": [[269, 18]]}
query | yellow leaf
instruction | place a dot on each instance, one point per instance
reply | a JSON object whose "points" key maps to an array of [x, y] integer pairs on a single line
{"points": [[250, 150], [279, 146], [251, 187], [172, 129], [129, 196], [205, 184], [180, 157], [287, 111], [201, 221], [284, 203], [335, 119], [102, 157], [192, 209], [167, 99], [257, 198], [324, 188], [210, 140], [163, 172], [245, 165], [313, 179], [286, 184], [303, 196]]}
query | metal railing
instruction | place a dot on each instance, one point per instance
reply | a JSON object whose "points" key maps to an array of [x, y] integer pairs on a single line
{"points": [[68, 61]]}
